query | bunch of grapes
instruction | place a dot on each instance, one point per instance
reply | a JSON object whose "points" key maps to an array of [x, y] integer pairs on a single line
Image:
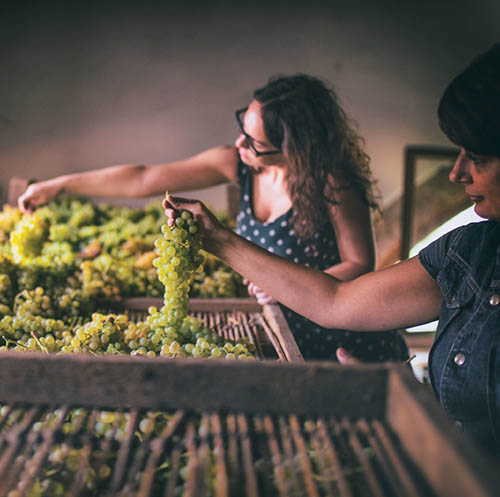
{"points": [[27, 238], [104, 333], [178, 259], [217, 280], [7, 281], [9, 217], [25, 331], [171, 326]]}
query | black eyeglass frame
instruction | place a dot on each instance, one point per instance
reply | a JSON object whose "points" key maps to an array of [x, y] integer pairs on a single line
{"points": [[248, 138]]}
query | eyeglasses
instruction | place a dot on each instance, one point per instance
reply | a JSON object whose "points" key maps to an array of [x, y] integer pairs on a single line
{"points": [[248, 139]]}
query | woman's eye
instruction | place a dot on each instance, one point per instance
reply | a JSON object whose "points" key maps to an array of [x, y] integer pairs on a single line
{"points": [[478, 161]]}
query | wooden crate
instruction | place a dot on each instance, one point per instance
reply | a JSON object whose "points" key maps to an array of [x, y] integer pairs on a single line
{"points": [[250, 413], [265, 326]]}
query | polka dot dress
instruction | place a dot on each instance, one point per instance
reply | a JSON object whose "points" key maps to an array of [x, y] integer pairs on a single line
{"points": [[320, 252]]}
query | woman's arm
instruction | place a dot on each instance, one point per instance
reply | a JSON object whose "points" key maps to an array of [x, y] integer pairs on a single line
{"points": [[397, 296], [353, 229], [351, 222], [211, 167]]}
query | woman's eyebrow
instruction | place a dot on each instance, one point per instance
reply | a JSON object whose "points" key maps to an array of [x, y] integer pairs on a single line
{"points": [[254, 140], [476, 157], [264, 144]]}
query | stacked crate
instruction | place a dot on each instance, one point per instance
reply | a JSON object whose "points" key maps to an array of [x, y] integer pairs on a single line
{"points": [[233, 428]]}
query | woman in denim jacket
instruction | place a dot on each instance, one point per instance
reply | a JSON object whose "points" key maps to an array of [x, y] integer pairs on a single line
{"points": [[457, 278]]}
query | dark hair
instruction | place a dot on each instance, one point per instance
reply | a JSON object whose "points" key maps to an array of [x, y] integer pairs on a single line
{"points": [[303, 117], [469, 111]]}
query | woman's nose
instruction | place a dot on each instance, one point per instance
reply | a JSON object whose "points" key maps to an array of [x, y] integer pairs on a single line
{"points": [[460, 171]]}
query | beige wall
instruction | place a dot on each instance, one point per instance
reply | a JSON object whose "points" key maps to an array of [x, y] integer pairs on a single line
{"points": [[91, 86]]}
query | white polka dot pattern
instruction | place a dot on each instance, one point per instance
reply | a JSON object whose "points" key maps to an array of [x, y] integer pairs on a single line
{"points": [[279, 237]]}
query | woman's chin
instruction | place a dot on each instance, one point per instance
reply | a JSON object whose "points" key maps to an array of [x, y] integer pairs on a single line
{"points": [[486, 213]]}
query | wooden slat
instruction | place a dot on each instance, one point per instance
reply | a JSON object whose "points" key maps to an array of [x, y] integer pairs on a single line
{"points": [[282, 331], [333, 456], [304, 460], [281, 481], [259, 318], [215, 384], [451, 463], [366, 463], [246, 452], [221, 484]]}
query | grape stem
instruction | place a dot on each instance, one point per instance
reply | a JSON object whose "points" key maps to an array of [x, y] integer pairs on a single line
{"points": [[42, 347]]}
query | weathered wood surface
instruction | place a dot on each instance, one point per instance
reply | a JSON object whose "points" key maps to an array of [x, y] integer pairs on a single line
{"points": [[209, 384], [448, 461], [451, 463], [282, 331]]}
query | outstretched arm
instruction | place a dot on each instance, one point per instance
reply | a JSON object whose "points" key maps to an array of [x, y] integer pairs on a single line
{"points": [[208, 168], [397, 296]]}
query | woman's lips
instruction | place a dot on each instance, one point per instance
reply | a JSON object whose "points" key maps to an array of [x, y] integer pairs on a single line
{"points": [[476, 198]]}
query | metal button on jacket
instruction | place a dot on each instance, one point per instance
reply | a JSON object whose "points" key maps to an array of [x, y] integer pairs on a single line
{"points": [[459, 359], [495, 299]]}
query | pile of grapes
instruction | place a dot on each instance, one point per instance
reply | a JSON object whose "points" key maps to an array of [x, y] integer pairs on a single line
{"points": [[60, 265], [106, 252]]}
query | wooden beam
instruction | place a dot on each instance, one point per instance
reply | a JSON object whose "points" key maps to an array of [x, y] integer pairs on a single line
{"points": [[209, 384]]}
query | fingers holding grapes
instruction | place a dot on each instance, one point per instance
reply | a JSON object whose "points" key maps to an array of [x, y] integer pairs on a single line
{"points": [[35, 196], [206, 221]]}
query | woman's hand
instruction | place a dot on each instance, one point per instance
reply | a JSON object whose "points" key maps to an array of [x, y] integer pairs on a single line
{"points": [[261, 296], [36, 195], [208, 225]]}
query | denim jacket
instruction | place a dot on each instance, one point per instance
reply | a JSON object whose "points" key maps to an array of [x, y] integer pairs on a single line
{"points": [[464, 362]]}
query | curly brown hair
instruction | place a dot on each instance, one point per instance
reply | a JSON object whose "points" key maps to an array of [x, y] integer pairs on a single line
{"points": [[302, 116]]}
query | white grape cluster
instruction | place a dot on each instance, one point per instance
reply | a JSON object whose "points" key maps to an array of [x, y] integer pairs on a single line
{"points": [[178, 259], [180, 334], [27, 238]]}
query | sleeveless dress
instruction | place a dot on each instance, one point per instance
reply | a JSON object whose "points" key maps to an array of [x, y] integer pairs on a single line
{"points": [[319, 252]]}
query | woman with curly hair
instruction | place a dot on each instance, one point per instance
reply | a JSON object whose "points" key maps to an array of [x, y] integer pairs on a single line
{"points": [[306, 194]]}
